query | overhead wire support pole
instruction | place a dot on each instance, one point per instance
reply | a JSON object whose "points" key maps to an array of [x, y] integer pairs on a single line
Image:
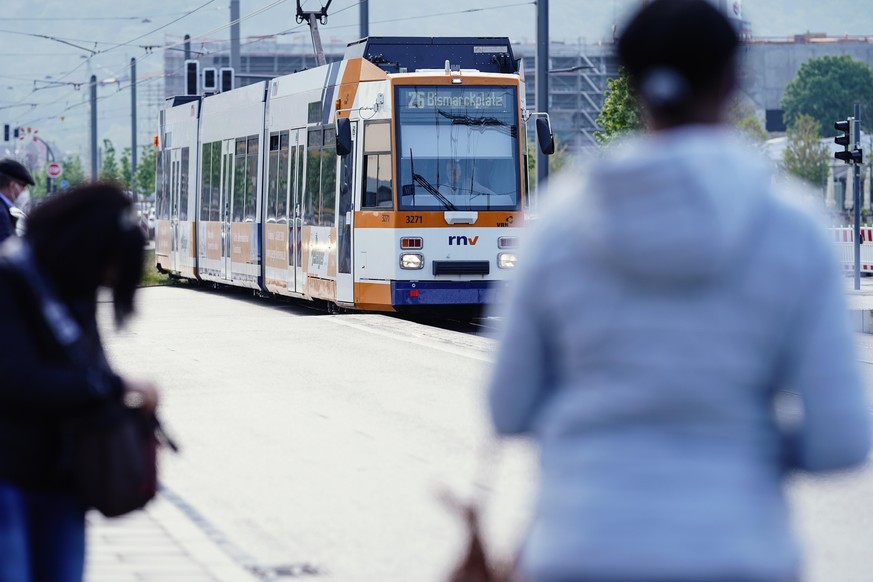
{"points": [[132, 123], [313, 17], [93, 127], [365, 19], [235, 58], [542, 81]]}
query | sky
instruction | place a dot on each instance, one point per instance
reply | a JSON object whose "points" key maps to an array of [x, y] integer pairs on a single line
{"points": [[49, 49]]}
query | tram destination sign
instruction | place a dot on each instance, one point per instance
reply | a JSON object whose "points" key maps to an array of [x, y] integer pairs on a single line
{"points": [[428, 98]]}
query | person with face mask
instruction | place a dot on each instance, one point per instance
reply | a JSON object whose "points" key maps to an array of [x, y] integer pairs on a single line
{"points": [[14, 180]]}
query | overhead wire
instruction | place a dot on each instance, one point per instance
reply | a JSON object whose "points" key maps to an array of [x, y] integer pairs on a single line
{"points": [[264, 38]]}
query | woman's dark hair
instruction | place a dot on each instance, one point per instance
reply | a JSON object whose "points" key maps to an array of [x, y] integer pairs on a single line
{"points": [[677, 50], [86, 238]]}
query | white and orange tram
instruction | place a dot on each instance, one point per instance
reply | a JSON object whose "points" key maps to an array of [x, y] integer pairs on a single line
{"points": [[394, 179]]}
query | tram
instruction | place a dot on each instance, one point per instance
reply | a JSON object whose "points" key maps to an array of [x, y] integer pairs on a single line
{"points": [[395, 179]]}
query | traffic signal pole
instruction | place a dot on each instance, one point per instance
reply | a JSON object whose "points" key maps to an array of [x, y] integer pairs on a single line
{"points": [[853, 154], [857, 192]]}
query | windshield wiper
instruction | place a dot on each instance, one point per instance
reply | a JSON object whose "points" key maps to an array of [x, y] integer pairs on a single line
{"points": [[467, 120], [433, 191], [418, 178]]}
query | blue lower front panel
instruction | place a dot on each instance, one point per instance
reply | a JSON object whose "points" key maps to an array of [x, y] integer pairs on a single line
{"points": [[409, 293]]}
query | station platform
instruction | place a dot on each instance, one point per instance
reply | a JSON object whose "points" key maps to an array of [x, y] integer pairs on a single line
{"points": [[158, 543], [860, 302]]}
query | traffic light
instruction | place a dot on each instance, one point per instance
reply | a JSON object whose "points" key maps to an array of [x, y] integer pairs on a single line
{"points": [[227, 80], [192, 77], [851, 148], [210, 80], [6, 132]]}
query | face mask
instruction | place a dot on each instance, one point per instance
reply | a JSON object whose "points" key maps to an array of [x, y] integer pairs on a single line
{"points": [[23, 200]]}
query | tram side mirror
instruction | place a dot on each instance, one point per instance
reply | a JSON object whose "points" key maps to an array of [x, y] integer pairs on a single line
{"points": [[343, 136], [545, 137]]}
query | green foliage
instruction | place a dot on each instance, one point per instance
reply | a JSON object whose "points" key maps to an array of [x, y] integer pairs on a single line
{"points": [[805, 156], [752, 127], [743, 116], [621, 111], [150, 275], [125, 175], [144, 179], [556, 161], [109, 170], [74, 173], [826, 89], [38, 190]]}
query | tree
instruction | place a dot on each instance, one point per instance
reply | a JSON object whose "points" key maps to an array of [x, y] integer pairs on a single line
{"points": [[125, 175], [752, 127], [621, 111], [144, 180], [38, 190], [109, 169], [806, 156], [556, 161], [743, 116], [73, 173], [826, 89]]}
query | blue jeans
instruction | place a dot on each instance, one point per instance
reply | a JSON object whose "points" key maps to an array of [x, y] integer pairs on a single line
{"points": [[42, 536]]}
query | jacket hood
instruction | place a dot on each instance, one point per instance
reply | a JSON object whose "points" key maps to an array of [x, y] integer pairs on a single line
{"points": [[675, 206]]}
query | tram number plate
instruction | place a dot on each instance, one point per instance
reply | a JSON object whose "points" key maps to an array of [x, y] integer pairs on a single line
{"points": [[415, 219]]}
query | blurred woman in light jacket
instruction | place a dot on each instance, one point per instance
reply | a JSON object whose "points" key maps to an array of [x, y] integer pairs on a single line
{"points": [[663, 303]]}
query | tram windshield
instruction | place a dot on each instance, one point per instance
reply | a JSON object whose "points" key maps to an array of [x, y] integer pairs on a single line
{"points": [[457, 147]]}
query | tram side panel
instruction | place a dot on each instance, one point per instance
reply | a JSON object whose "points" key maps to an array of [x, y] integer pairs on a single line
{"points": [[301, 191], [175, 241], [231, 161]]}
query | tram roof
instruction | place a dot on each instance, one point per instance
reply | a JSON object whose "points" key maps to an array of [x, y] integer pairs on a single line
{"points": [[398, 54]]}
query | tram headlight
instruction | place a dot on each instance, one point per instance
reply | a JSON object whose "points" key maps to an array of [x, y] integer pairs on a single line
{"points": [[411, 261], [506, 260]]}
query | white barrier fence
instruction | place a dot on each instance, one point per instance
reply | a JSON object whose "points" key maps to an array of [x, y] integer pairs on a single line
{"points": [[844, 237]]}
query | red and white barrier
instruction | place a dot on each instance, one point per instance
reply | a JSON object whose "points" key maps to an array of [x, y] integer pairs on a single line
{"points": [[844, 238]]}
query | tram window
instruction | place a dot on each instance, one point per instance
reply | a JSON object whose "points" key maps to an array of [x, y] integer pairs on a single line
{"points": [[315, 137], [273, 178], [377, 181], [282, 182], [165, 194], [183, 185], [215, 180], [251, 179], [205, 180], [377, 137], [378, 172], [313, 186], [159, 181], [239, 180], [328, 178], [300, 163], [164, 201]]}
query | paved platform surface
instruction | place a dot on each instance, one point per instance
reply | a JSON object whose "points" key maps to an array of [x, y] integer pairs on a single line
{"points": [[860, 299], [159, 543]]}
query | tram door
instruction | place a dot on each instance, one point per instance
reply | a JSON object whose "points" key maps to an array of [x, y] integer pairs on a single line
{"points": [[225, 200], [345, 287], [295, 222], [175, 174]]}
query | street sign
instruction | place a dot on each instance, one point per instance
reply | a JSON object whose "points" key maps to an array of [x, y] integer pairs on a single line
{"points": [[64, 184], [54, 170]]}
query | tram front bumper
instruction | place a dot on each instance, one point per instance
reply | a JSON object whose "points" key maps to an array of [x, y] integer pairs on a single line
{"points": [[405, 294]]}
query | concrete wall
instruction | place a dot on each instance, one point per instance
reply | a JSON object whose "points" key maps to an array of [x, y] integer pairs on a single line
{"points": [[770, 66]]}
